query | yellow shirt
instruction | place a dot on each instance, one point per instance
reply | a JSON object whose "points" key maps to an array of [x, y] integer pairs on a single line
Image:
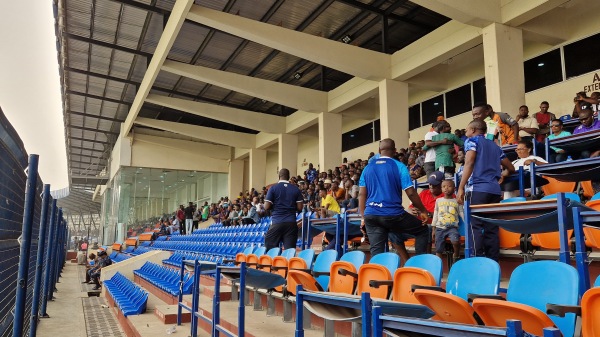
{"points": [[333, 205]]}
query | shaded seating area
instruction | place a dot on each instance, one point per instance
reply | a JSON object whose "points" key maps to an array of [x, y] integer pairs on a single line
{"points": [[130, 298]]}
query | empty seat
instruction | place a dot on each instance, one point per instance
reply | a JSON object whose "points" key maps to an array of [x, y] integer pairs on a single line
{"points": [[374, 277], [343, 273], [129, 297], [531, 287], [317, 278], [452, 306]]}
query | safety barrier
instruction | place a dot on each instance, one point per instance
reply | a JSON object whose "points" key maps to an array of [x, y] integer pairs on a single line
{"points": [[32, 238]]}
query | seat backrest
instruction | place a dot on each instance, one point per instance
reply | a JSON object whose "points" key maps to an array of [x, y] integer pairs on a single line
{"points": [[556, 186], [539, 283], [597, 283], [288, 253], [260, 251], [357, 258], [595, 197], [377, 272], [514, 199], [308, 255], [429, 262], [590, 306], [595, 204], [248, 250], [405, 278], [274, 252], [389, 260], [572, 196], [322, 264], [462, 281]]}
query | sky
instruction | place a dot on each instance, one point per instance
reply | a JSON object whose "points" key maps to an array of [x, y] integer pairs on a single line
{"points": [[30, 84]]}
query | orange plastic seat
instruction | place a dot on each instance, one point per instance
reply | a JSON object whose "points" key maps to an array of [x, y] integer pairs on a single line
{"points": [[307, 281], [145, 237], [369, 272], [239, 258], [294, 263], [342, 283], [508, 239], [404, 278], [548, 240], [264, 263], [448, 308], [588, 190], [251, 261], [280, 267], [557, 186], [116, 247], [497, 312], [590, 307]]}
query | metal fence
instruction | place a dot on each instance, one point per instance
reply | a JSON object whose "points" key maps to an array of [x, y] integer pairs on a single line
{"points": [[32, 238]]}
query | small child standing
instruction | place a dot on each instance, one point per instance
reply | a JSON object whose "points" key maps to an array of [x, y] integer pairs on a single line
{"points": [[446, 217]]}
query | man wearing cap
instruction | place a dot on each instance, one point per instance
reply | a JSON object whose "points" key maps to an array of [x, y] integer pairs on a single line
{"points": [[380, 201], [428, 198], [285, 200]]}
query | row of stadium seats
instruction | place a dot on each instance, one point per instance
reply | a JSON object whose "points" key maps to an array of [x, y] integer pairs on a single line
{"points": [[129, 297], [165, 278]]}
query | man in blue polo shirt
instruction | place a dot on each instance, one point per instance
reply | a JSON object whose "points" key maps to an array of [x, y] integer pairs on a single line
{"points": [[480, 179], [380, 201], [285, 200]]}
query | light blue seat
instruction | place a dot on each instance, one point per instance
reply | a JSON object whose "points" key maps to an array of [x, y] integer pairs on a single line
{"points": [[535, 284], [595, 197], [274, 252], [429, 262], [570, 195], [514, 199], [288, 253], [389, 260], [461, 281], [308, 255], [597, 283]]}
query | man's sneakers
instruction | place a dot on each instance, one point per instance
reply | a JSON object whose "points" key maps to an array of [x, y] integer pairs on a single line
{"points": [[96, 288]]}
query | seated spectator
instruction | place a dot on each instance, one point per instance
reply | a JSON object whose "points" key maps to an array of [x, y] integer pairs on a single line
{"points": [[525, 159], [351, 200], [557, 155], [329, 206], [89, 264], [588, 123], [103, 261], [338, 193], [252, 217], [528, 126], [583, 102], [415, 170], [232, 215]]}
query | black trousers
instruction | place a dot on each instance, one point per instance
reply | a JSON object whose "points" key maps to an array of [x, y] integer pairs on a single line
{"points": [[484, 236], [286, 232]]}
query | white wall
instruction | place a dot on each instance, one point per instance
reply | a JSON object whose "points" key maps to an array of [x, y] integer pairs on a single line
{"points": [[308, 152], [271, 168]]}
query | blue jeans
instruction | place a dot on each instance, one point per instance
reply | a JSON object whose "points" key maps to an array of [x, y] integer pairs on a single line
{"points": [[378, 228]]}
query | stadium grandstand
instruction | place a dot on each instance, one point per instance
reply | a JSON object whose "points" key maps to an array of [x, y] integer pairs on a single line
{"points": [[183, 119]]}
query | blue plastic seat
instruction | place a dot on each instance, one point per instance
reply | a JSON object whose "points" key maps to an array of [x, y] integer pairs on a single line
{"points": [[389, 260], [344, 273], [595, 197], [316, 279], [514, 199], [569, 195], [429, 262], [531, 287], [475, 275]]}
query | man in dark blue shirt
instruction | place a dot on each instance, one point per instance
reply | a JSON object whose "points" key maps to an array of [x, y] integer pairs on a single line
{"points": [[482, 172], [380, 201], [285, 200]]}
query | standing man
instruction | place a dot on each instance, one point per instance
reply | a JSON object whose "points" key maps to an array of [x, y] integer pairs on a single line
{"points": [[380, 201], [544, 118], [285, 200], [497, 122], [181, 218], [480, 183], [189, 217]]}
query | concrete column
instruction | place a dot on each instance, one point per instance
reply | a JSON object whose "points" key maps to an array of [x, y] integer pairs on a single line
{"points": [[258, 163], [288, 153], [235, 179], [330, 140], [393, 111], [504, 77]]}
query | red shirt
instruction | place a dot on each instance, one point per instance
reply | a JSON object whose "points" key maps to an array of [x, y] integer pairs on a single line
{"points": [[428, 201]]}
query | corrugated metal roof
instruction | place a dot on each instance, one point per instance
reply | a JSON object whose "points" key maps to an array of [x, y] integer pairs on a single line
{"points": [[104, 46]]}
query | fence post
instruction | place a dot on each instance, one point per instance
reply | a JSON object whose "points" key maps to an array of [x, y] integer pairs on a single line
{"points": [[28, 214], [48, 268], [37, 287], [57, 232]]}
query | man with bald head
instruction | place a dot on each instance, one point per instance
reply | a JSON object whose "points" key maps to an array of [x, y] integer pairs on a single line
{"points": [[285, 200], [380, 201]]}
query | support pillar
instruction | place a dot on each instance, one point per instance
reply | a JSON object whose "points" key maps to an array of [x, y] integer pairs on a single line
{"points": [[330, 140], [393, 111], [504, 76], [258, 163], [288, 153], [235, 180]]}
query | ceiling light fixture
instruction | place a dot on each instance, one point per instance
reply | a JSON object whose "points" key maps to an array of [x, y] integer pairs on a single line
{"points": [[297, 75], [347, 39]]}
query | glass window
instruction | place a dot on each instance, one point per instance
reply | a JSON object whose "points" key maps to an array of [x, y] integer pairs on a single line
{"points": [[377, 129], [432, 108], [543, 70], [414, 117], [479, 93], [357, 137], [582, 56], [458, 101]]}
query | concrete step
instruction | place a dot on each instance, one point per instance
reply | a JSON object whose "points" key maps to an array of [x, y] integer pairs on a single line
{"points": [[167, 314]]}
